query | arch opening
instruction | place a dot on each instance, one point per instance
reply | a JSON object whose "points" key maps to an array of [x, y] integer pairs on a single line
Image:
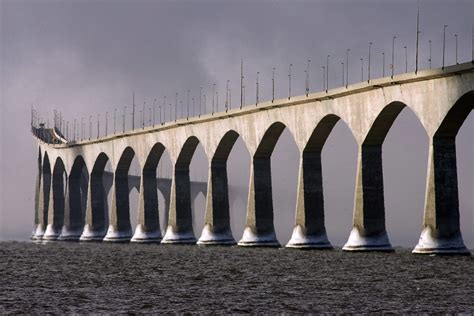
{"points": [[78, 180]]}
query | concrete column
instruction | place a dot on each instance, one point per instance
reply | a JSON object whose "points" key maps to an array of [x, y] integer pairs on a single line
{"points": [[259, 230], [73, 217], [309, 231], [148, 227], [180, 225], [368, 231], [441, 233], [43, 183], [120, 229], [95, 224], [56, 212], [217, 229]]}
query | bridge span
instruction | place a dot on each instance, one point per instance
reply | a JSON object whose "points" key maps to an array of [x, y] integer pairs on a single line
{"points": [[441, 99]]}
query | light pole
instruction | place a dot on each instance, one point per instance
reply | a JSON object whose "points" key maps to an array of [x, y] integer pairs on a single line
{"points": [[289, 81], [347, 67], [256, 97], [383, 65], [106, 122], [324, 77], [159, 109], [430, 54], [187, 117], [241, 83], [164, 110], [456, 38], [342, 73], [98, 125], [406, 59], [115, 119], [362, 69], [176, 107], [74, 129], [193, 106], [143, 115], [273, 84], [444, 43], [124, 115], [307, 77], [154, 112], [368, 69], [393, 55], [90, 126], [327, 73], [200, 100], [226, 96], [133, 110], [213, 100]]}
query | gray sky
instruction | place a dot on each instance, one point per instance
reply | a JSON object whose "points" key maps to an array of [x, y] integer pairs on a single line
{"points": [[86, 57]]}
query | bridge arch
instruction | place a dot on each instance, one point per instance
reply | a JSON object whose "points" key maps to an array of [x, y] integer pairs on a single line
{"points": [[441, 221], [119, 223], [369, 228], [45, 201], [56, 210], [96, 212], [217, 229], [260, 229], [310, 231], [148, 225], [180, 221], [77, 201]]}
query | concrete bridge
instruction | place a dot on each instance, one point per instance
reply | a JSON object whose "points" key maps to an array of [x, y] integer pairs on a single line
{"points": [[440, 98]]}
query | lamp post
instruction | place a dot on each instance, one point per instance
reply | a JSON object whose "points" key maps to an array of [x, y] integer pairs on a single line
{"points": [[187, 116], [176, 107], [90, 126], [307, 76], [342, 73], [324, 77], [133, 110], [406, 59], [393, 55], [98, 125], [106, 122], [124, 115], [289, 81], [347, 66], [444, 43], [213, 100], [115, 120], [456, 53], [154, 112], [362, 69], [164, 110], [430, 53], [368, 69], [200, 100], [256, 97], [273, 84], [227, 96], [383, 64], [327, 73]]}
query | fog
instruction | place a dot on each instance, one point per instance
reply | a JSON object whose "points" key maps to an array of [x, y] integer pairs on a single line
{"points": [[86, 57]]}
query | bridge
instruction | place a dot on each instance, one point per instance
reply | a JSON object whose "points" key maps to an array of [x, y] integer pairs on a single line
{"points": [[441, 99]]}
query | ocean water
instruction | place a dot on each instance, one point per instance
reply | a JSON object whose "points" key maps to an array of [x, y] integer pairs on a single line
{"points": [[112, 278]]}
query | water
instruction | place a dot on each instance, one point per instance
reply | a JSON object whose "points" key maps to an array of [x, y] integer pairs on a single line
{"points": [[84, 278]]}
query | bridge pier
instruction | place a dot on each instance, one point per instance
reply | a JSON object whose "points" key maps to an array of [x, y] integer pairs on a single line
{"points": [[94, 228], [43, 183], [120, 229], [56, 200], [217, 229], [259, 230], [73, 220], [441, 232], [368, 231], [180, 224], [309, 231], [148, 226]]}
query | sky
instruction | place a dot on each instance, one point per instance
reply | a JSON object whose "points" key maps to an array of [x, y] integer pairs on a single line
{"points": [[86, 57]]}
